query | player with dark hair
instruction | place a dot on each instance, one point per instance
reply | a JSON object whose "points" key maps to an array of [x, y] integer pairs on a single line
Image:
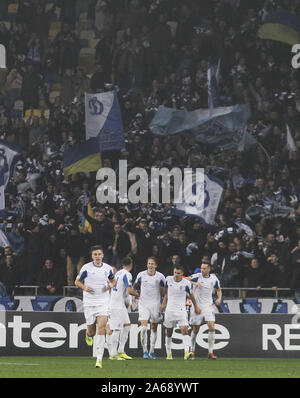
{"points": [[177, 290], [204, 284], [95, 278]]}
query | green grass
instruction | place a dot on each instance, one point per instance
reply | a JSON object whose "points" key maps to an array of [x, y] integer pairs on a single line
{"points": [[84, 367]]}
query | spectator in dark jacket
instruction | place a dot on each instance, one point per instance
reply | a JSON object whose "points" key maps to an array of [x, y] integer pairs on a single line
{"points": [[144, 241], [50, 279], [75, 249], [255, 275], [34, 250], [120, 246], [102, 229], [9, 274]]}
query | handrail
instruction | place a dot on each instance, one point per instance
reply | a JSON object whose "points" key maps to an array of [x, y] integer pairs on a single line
{"points": [[239, 289]]}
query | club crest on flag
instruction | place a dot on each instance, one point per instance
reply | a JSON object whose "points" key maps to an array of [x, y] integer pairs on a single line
{"points": [[96, 107]]}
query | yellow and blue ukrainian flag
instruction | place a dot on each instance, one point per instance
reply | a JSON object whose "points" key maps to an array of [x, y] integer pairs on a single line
{"points": [[82, 158], [280, 25], [85, 225]]}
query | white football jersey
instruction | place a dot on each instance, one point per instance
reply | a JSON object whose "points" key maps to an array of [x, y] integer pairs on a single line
{"points": [[177, 293], [118, 294], [96, 277], [150, 287], [204, 294]]}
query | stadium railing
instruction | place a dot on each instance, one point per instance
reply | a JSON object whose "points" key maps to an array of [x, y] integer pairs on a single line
{"points": [[228, 292], [252, 292]]}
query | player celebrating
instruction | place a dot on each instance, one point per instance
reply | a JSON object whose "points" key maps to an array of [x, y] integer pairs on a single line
{"points": [[94, 279], [119, 321], [151, 285], [177, 289], [204, 284]]}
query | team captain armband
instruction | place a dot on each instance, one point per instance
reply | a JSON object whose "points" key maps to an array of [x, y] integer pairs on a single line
{"points": [[111, 276], [82, 276]]}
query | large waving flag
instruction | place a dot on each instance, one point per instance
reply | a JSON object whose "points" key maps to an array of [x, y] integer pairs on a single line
{"points": [[201, 198], [82, 158], [222, 127], [170, 121], [224, 131], [280, 25], [9, 155], [103, 119]]}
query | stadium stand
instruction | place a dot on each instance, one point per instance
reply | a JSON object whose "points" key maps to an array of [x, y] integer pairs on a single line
{"points": [[154, 53]]}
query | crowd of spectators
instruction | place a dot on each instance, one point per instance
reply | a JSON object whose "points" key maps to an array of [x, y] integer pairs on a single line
{"points": [[154, 52]]}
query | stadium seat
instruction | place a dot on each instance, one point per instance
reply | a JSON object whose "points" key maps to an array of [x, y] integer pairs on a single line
{"points": [[13, 8], [36, 112]]}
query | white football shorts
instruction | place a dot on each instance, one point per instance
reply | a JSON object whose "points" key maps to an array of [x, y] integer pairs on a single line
{"points": [[207, 314], [172, 319], [91, 313], [118, 318], [149, 313]]}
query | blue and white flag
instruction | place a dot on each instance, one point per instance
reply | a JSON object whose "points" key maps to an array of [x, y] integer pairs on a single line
{"points": [[213, 77], [8, 158], [201, 197], [103, 119], [222, 127]]}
